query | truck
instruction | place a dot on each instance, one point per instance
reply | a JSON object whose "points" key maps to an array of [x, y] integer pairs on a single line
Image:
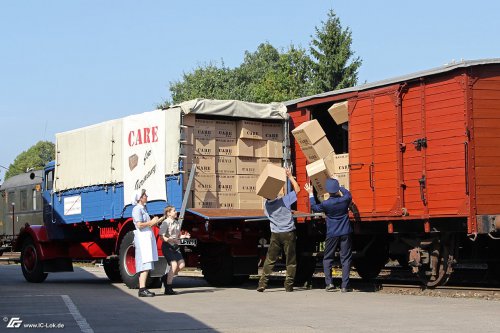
{"points": [[87, 192]]}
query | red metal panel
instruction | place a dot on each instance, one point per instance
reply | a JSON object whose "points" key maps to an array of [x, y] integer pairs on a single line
{"points": [[445, 123], [297, 117], [486, 135], [385, 150], [360, 154]]}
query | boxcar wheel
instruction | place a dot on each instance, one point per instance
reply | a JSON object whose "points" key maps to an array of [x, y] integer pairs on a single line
{"points": [[112, 270], [127, 261], [31, 264]]}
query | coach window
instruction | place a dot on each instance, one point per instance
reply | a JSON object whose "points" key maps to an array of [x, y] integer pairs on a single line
{"points": [[11, 197], [33, 198], [24, 200], [49, 180]]}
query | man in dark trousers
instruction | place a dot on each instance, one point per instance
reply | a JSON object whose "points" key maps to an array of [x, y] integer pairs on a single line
{"points": [[338, 229], [279, 212]]}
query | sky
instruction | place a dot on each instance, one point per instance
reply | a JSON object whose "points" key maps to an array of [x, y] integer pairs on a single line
{"points": [[69, 64]]}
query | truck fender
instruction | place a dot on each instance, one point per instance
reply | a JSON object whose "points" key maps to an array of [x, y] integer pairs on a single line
{"points": [[37, 232], [124, 229]]}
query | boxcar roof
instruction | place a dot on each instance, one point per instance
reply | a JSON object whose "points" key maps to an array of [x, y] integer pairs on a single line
{"points": [[22, 180], [429, 72]]}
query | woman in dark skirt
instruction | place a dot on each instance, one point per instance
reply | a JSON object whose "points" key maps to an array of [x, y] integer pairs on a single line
{"points": [[170, 231]]}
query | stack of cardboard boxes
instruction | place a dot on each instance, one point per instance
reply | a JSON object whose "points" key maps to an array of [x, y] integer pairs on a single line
{"points": [[229, 156], [323, 163]]}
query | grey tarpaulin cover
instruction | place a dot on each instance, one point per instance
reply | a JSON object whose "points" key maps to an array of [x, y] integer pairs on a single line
{"points": [[232, 108]]}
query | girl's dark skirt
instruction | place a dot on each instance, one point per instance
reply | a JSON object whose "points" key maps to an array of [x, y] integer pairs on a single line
{"points": [[171, 252]]}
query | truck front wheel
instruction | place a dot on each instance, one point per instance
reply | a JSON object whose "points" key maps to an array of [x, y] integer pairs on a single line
{"points": [[31, 264], [127, 261]]}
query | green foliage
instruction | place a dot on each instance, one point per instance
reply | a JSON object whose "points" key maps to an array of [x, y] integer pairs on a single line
{"points": [[331, 48], [268, 74], [35, 157]]}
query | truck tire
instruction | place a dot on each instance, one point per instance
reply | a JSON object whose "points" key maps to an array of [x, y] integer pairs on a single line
{"points": [[217, 266], [112, 270], [306, 265], [375, 258], [31, 264], [127, 261]]}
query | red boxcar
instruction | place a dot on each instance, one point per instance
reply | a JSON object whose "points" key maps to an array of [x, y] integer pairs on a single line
{"points": [[424, 162]]}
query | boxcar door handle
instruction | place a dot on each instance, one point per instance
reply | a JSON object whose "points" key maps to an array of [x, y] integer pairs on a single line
{"points": [[356, 166], [371, 177], [466, 152]]}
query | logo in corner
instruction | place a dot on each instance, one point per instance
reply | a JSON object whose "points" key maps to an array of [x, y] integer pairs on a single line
{"points": [[14, 322]]}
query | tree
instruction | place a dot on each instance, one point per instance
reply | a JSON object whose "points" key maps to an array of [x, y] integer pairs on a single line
{"points": [[269, 74], [331, 48], [265, 75], [35, 157]]}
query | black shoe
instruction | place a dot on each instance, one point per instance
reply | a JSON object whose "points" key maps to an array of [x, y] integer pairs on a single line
{"points": [[288, 289], [169, 291], [330, 287], [261, 289], [146, 293], [346, 290]]}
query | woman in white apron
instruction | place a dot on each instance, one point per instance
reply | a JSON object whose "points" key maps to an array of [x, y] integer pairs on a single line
{"points": [[146, 252]]}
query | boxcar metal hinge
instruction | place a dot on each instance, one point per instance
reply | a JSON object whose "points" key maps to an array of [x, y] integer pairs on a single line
{"points": [[402, 147], [420, 143]]}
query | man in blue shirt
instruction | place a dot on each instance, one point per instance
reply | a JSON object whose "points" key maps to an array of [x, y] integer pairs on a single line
{"points": [[338, 229], [279, 212]]}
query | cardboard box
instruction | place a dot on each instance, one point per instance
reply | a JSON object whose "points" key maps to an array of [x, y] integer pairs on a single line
{"points": [[204, 199], [204, 182], [248, 129], [225, 129], [247, 166], [343, 179], [341, 163], [330, 164], [260, 148], [317, 151], [263, 162], [204, 147], [245, 147], [250, 201], [274, 149], [187, 136], [226, 183], [204, 129], [308, 133], [225, 165], [339, 112], [189, 120], [272, 131], [227, 200], [318, 175], [271, 181], [204, 164], [225, 147], [246, 183]]}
